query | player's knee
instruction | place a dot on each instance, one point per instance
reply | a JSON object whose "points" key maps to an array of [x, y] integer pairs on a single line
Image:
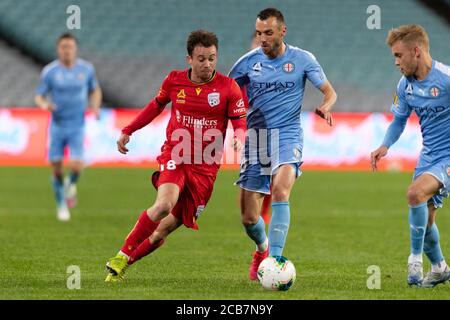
{"points": [[163, 208], [157, 236], [76, 170], [57, 169], [280, 194], [415, 195], [249, 218], [58, 174]]}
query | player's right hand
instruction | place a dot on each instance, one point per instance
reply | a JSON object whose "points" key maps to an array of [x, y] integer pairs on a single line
{"points": [[376, 155], [123, 140]]}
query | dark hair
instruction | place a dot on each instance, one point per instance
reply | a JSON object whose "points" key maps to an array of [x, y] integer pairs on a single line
{"points": [[271, 12], [203, 38], [67, 35]]}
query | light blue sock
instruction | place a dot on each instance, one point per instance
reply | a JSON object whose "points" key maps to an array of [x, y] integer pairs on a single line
{"points": [[74, 176], [418, 219], [431, 246], [58, 188], [278, 227], [257, 231]]}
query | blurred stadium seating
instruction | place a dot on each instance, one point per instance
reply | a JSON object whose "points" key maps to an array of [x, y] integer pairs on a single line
{"points": [[133, 44], [18, 77]]}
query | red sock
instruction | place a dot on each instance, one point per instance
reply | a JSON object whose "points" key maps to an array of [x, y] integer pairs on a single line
{"points": [[144, 249], [142, 230], [266, 208]]}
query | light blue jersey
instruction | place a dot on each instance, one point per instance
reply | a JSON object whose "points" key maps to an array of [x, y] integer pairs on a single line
{"points": [[430, 100], [275, 89], [69, 90]]}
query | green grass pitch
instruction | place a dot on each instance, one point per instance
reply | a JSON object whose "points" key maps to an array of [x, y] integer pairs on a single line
{"points": [[341, 223]]}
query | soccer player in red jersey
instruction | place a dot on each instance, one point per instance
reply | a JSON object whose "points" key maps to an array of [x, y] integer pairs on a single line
{"points": [[203, 101]]}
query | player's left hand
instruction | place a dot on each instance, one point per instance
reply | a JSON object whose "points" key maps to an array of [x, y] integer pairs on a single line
{"points": [[237, 145], [325, 114]]}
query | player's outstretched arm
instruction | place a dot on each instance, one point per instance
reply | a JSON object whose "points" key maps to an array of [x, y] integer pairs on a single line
{"points": [[329, 99], [150, 112], [146, 116], [393, 133]]}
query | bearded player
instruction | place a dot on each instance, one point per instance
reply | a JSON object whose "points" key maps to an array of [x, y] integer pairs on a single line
{"points": [[424, 89], [203, 101], [274, 76]]}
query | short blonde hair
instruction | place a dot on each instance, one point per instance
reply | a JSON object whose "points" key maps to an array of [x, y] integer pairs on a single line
{"points": [[409, 34]]}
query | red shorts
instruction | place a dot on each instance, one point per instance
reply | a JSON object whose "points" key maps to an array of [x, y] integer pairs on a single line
{"points": [[195, 191]]}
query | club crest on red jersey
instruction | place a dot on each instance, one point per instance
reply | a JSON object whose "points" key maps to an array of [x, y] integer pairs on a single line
{"points": [[181, 97], [214, 99]]}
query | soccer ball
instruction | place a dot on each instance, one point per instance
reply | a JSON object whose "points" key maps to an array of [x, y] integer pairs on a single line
{"points": [[276, 273]]}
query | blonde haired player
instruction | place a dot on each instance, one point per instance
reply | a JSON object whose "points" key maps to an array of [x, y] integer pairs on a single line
{"points": [[424, 89]]}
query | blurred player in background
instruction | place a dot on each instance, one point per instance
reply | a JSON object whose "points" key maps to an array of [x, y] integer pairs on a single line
{"points": [[67, 87], [203, 101], [424, 89], [274, 76]]}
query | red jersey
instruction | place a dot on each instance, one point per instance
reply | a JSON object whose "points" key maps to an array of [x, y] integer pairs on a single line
{"points": [[199, 118]]}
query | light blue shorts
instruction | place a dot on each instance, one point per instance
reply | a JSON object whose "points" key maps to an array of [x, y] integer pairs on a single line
{"points": [[441, 171], [61, 137], [260, 163]]}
